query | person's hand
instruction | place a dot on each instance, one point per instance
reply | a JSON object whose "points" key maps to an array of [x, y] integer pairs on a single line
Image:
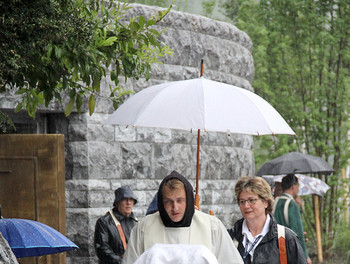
{"points": [[308, 260]]}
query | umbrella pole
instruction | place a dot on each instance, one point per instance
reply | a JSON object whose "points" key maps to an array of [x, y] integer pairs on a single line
{"points": [[196, 197], [318, 228], [196, 201]]}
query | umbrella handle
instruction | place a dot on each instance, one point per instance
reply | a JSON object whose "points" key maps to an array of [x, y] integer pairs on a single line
{"points": [[196, 200], [202, 68], [196, 197]]}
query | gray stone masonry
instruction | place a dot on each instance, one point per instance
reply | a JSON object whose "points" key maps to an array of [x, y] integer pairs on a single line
{"points": [[101, 158], [106, 157]]}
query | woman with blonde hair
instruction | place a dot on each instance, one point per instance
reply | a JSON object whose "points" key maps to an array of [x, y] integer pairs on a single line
{"points": [[256, 232]]}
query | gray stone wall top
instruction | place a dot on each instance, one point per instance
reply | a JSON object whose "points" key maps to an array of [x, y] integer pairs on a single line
{"points": [[196, 23]]}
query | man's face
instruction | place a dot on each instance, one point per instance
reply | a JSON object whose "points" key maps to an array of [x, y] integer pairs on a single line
{"points": [[125, 206], [295, 190], [174, 203]]}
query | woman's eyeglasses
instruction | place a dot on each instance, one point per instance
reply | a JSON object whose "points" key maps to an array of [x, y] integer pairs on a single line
{"points": [[250, 201]]}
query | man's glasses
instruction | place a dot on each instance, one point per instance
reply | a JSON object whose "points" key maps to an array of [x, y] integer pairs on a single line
{"points": [[250, 201]]}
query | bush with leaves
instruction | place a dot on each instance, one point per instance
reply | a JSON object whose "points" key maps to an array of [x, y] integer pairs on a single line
{"points": [[56, 46], [342, 241]]}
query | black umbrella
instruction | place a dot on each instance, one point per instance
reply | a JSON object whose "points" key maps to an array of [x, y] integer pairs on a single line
{"points": [[295, 162]]}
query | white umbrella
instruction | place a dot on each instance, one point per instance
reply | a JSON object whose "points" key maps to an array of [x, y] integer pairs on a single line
{"points": [[200, 104], [177, 253]]}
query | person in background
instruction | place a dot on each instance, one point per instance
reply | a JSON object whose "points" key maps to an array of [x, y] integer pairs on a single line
{"points": [[153, 206], [177, 222], [256, 233], [290, 216], [112, 231], [277, 190]]}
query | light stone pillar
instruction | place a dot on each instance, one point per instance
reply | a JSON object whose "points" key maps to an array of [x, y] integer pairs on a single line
{"points": [[106, 157]]}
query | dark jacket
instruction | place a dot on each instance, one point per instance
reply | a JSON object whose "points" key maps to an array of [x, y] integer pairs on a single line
{"points": [[108, 244], [267, 250]]}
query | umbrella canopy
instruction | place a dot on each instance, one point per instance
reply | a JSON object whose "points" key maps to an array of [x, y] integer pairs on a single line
{"points": [[177, 253], [307, 184], [201, 104], [295, 162], [29, 238]]}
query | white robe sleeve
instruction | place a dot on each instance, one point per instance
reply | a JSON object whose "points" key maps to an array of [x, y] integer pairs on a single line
{"points": [[135, 246], [222, 244]]}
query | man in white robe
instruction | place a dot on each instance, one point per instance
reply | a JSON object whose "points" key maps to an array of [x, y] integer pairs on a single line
{"points": [[177, 222]]}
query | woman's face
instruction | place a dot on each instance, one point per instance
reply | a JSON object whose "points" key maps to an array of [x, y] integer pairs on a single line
{"points": [[251, 206]]}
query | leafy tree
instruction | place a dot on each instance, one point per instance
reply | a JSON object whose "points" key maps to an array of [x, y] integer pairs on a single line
{"points": [[56, 46], [302, 54], [208, 7], [5, 123]]}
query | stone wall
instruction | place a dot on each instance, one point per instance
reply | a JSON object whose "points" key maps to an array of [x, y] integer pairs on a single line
{"points": [[106, 157], [100, 159]]}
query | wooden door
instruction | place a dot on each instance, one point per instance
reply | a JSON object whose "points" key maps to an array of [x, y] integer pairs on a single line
{"points": [[32, 183]]}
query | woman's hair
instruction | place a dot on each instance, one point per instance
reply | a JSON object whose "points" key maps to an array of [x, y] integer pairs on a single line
{"points": [[258, 186]]}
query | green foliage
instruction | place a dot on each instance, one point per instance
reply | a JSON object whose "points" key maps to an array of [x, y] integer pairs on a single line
{"points": [[50, 47], [302, 61], [302, 68], [342, 241], [5, 122], [208, 7]]}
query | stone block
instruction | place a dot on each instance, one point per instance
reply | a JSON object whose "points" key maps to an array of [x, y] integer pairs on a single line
{"points": [[78, 199], [122, 134], [78, 132], [104, 155]]}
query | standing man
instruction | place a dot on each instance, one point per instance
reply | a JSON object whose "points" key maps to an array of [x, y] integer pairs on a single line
{"points": [[287, 211], [112, 231], [177, 222]]}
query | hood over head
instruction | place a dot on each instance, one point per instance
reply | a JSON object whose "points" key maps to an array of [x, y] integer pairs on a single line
{"points": [[187, 219]]}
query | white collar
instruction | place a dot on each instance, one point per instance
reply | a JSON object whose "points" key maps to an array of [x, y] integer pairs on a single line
{"points": [[265, 230], [287, 194], [248, 235]]}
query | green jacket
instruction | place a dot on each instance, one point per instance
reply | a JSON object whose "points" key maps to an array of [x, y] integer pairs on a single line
{"points": [[294, 218]]}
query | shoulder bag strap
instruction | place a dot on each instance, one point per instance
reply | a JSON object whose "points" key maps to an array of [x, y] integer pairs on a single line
{"points": [[120, 229], [285, 208], [285, 211], [282, 244], [274, 204]]}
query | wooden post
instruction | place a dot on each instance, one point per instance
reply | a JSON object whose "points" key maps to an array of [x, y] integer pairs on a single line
{"points": [[318, 228]]}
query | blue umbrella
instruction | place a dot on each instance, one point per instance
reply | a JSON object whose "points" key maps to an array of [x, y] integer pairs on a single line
{"points": [[29, 238]]}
